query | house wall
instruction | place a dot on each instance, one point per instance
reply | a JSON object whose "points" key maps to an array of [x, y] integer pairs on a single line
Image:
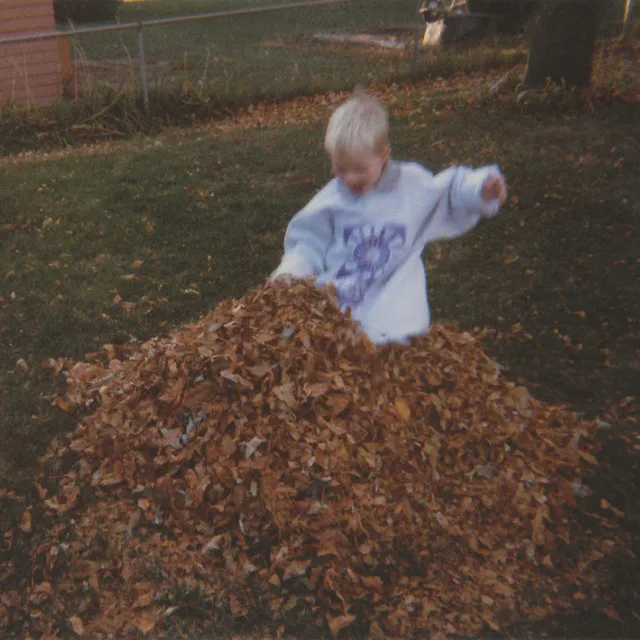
{"points": [[29, 71]]}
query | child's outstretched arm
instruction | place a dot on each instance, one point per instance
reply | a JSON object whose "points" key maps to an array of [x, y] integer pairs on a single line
{"points": [[306, 243], [462, 196]]}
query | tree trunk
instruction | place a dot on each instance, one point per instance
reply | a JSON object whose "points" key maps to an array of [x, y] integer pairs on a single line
{"points": [[563, 42]]}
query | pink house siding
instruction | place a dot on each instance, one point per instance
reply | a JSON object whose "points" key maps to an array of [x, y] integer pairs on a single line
{"points": [[29, 71]]}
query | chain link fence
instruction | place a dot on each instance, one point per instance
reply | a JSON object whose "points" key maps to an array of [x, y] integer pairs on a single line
{"points": [[244, 51], [255, 50]]}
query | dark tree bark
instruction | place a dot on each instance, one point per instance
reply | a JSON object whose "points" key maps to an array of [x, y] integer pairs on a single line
{"points": [[563, 43]]}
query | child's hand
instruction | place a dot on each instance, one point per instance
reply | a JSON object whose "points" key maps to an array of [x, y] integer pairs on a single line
{"points": [[494, 188], [284, 278]]}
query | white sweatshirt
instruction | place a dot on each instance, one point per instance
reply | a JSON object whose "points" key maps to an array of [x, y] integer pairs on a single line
{"points": [[370, 246]]}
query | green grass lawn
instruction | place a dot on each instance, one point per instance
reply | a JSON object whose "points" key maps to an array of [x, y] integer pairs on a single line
{"points": [[249, 55]]}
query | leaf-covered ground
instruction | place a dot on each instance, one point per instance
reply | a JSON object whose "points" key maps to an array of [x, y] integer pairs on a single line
{"points": [[131, 240]]}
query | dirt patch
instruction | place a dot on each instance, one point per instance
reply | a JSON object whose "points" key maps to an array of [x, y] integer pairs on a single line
{"points": [[388, 41]]}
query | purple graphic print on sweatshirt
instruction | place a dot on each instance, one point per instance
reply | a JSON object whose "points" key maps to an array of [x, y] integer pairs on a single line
{"points": [[372, 251]]}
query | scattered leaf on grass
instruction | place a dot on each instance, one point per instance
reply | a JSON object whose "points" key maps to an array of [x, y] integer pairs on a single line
{"points": [[25, 522]]}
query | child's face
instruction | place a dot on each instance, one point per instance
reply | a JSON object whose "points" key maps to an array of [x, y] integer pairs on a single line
{"points": [[358, 170]]}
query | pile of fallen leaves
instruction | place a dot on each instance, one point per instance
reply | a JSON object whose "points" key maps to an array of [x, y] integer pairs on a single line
{"points": [[268, 464]]}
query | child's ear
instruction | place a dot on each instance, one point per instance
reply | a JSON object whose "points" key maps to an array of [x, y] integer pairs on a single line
{"points": [[385, 153]]}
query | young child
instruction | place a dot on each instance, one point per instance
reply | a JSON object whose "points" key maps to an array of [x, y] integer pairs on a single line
{"points": [[365, 231]]}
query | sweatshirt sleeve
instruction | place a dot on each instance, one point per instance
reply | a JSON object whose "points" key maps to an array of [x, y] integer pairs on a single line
{"points": [[459, 205], [308, 238]]}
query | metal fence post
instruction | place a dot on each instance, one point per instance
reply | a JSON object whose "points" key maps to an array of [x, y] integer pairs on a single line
{"points": [[416, 45], [143, 68]]}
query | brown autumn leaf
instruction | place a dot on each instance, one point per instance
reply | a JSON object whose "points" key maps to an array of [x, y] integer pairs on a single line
{"points": [[143, 598], [65, 502], [589, 457], [338, 402], [260, 370], [174, 391], [43, 587], [612, 614], [372, 582], [77, 625], [338, 623], [199, 394], [605, 504], [285, 393], [237, 608], [145, 623], [402, 408], [296, 569], [61, 403], [274, 580], [25, 523], [126, 571], [11, 599]]}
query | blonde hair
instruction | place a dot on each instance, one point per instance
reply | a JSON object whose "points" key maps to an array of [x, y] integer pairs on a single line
{"points": [[360, 124]]}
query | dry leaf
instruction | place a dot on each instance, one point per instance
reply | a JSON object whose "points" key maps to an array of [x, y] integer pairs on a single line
{"points": [[286, 395], [237, 608], [77, 625], [62, 404], [143, 600], [589, 457], [296, 569], [146, 624], [402, 408], [274, 580], [252, 446], [43, 587], [339, 623], [25, 522]]}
